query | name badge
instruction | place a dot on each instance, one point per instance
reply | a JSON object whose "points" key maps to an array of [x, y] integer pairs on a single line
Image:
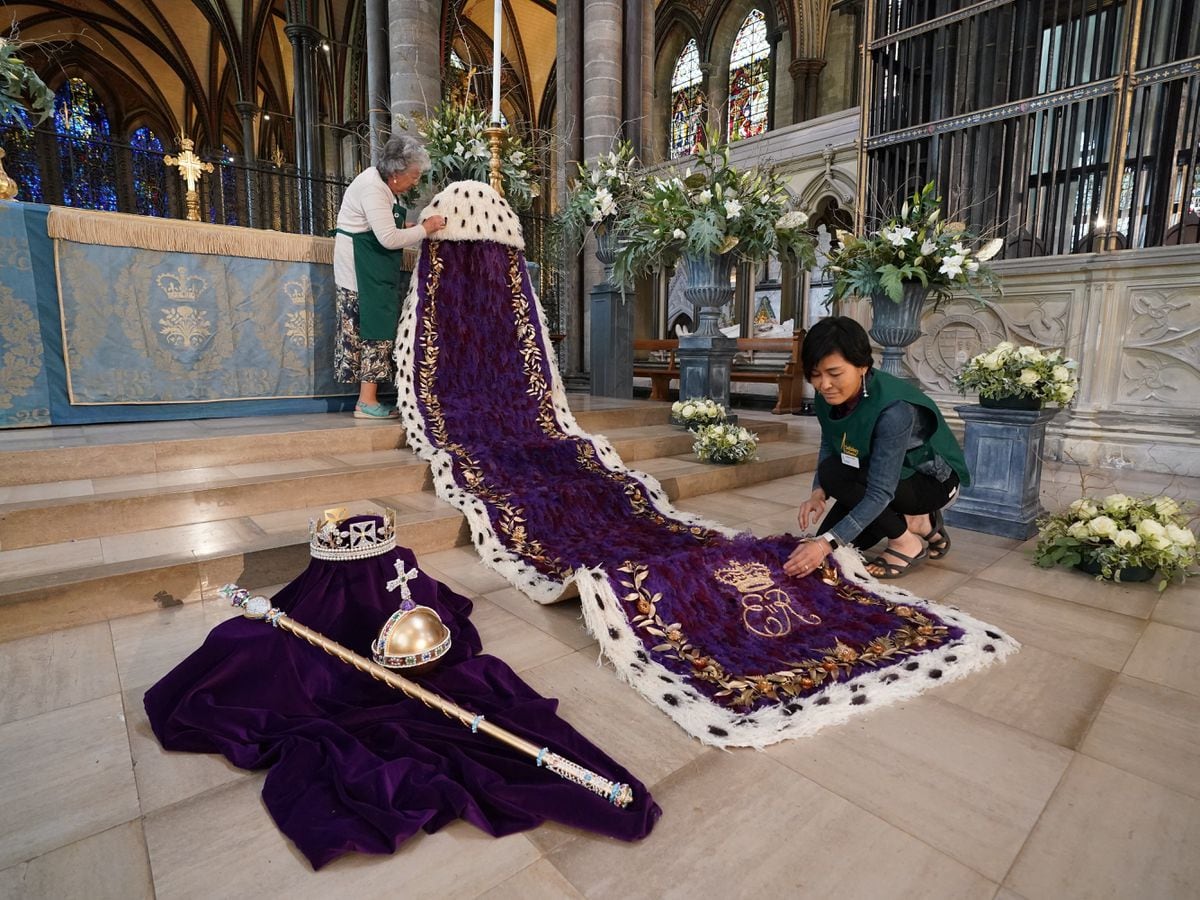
{"points": [[848, 460]]}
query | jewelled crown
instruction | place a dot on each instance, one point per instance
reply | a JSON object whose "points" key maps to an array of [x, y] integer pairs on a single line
{"points": [[341, 537], [746, 577]]}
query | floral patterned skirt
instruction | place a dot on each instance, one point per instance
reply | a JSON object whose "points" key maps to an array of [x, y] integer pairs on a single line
{"points": [[355, 359]]}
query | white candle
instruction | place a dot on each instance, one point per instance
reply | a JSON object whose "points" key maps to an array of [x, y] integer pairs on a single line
{"points": [[497, 4]]}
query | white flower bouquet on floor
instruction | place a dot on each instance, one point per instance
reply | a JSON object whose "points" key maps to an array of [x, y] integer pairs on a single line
{"points": [[1120, 538], [696, 413], [1011, 371], [725, 444]]}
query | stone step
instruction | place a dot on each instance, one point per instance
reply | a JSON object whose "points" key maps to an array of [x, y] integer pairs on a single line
{"points": [[91, 508], [70, 455], [75, 582]]}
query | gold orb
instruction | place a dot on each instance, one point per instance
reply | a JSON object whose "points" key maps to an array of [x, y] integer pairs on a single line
{"points": [[412, 639]]}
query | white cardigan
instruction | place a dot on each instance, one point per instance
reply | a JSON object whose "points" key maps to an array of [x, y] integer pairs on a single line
{"points": [[367, 204]]}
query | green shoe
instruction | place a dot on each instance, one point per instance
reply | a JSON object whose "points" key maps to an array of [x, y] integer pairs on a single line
{"points": [[374, 411]]}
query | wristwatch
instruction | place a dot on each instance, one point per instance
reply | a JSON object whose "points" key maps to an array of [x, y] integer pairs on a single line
{"points": [[833, 541]]}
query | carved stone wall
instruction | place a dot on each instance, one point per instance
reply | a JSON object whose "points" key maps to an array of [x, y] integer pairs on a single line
{"points": [[1131, 319]]}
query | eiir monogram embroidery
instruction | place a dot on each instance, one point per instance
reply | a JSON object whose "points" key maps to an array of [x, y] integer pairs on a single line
{"points": [[766, 608]]}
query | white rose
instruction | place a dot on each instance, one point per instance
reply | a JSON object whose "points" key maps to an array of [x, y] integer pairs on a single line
{"points": [[1181, 536], [680, 234], [1065, 393], [689, 410], [1030, 354], [990, 360], [1080, 531], [1028, 377], [1117, 503], [1103, 527], [1004, 347], [1084, 509], [1153, 533], [1060, 373], [1165, 507], [1126, 538]]}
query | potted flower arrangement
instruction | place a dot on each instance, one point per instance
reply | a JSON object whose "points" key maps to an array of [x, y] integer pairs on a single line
{"points": [[20, 89], [709, 219], [458, 150], [911, 257], [727, 444], [602, 191], [696, 414], [1120, 538], [1011, 377]]}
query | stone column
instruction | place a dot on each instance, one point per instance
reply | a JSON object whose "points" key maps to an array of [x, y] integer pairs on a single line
{"points": [[806, 77], [303, 39], [378, 70], [631, 75], [611, 355], [246, 112], [414, 35], [1003, 449]]}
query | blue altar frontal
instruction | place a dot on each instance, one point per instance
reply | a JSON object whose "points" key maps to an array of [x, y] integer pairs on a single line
{"points": [[105, 332]]}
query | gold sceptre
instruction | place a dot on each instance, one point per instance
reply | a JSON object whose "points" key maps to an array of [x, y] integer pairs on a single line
{"points": [[260, 608], [495, 133]]}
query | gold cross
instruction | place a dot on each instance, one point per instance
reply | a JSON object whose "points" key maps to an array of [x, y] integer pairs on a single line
{"points": [[190, 165]]}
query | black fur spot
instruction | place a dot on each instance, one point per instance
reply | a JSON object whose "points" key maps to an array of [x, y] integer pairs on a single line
{"points": [[472, 209], [858, 700], [641, 654], [672, 699], [479, 229], [890, 677], [935, 673], [988, 648], [912, 666], [613, 633], [481, 192], [951, 658], [666, 679], [485, 214], [792, 709], [719, 732], [992, 635], [822, 701], [599, 603]]}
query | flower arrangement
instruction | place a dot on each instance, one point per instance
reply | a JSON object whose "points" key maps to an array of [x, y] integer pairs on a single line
{"points": [[20, 86], [458, 149], [725, 444], [715, 210], [916, 246], [604, 190], [1010, 371], [1119, 533], [694, 414]]}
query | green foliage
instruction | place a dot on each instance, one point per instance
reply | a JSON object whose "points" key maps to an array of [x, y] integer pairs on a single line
{"points": [[603, 191], [21, 88], [915, 246], [459, 150], [1120, 533], [1010, 371], [714, 210]]}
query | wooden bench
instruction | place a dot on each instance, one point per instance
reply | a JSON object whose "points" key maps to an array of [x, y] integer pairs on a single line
{"points": [[787, 373]]}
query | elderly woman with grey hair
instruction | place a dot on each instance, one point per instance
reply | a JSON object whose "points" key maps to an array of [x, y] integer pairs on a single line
{"points": [[370, 236]]}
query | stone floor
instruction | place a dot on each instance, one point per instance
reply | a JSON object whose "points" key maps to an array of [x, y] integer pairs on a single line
{"points": [[1071, 771]]}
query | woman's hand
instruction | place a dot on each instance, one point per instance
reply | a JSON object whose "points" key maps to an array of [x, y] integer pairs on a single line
{"points": [[811, 509], [433, 224], [807, 557]]}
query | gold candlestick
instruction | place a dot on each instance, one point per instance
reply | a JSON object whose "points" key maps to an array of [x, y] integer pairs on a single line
{"points": [[495, 132]]}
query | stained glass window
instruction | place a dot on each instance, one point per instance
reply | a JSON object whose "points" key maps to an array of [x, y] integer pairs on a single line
{"points": [[149, 173], [457, 84], [749, 78], [84, 146], [21, 158], [687, 102]]}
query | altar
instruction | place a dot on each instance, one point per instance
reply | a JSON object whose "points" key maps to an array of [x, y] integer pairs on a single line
{"points": [[106, 317]]}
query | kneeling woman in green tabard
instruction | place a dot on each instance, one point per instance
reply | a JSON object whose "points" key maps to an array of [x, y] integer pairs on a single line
{"points": [[887, 457], [367, 259]]}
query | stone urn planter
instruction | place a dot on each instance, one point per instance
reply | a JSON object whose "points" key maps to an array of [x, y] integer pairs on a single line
{"points": [[1011, 402], [706, 357], [896, 325]]}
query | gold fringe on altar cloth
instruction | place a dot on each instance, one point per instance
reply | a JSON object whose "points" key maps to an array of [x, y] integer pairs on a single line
{"points": [[86, 226]]}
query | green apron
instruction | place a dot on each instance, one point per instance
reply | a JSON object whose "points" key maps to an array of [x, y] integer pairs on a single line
{"points": [[381, 281]]}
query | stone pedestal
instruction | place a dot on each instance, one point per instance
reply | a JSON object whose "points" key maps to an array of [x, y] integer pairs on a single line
{"points": [[704, 364], [611, 342], [1003, 448]]}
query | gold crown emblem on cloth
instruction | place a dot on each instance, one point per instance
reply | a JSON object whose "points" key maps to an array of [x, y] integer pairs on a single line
{"points": [[297, 291], [340, 537], [748, 578], [180, 285]]}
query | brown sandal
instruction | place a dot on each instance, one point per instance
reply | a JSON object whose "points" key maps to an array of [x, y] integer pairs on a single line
{"points": [[890, 569]]}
